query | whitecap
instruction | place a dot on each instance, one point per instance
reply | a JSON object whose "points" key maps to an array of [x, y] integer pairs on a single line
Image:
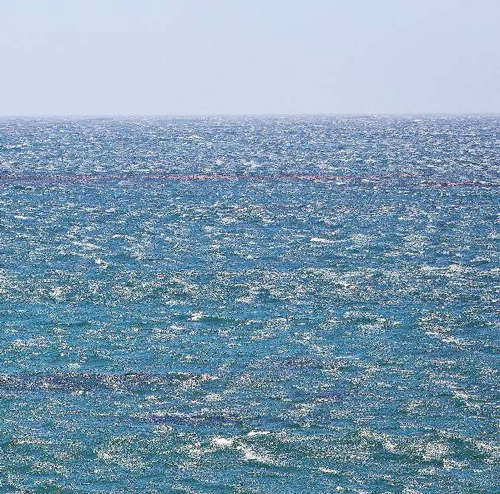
{"points": [[258, 433], [101, 263], [222, 442], [318, 240], [250, 455], [196, 316]]}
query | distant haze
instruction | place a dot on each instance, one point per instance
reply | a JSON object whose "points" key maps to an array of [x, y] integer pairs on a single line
{"points": [[96, 57]]}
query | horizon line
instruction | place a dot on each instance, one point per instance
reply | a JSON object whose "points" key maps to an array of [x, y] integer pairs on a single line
{"points": [[248, 115]]}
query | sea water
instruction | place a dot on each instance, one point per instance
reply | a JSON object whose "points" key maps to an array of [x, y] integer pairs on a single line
{"points": [[250, 305]]}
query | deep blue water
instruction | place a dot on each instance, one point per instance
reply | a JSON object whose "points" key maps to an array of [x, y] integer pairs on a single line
{"points": [[249, 305]]}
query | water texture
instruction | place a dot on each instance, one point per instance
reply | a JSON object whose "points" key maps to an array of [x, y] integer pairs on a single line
{"points": [[250, 305]]}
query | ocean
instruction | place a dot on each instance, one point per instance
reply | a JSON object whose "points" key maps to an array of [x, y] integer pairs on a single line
{"points": [[250, 305]]}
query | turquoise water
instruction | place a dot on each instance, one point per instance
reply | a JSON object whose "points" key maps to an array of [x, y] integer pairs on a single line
{"points": [[250, 305]]}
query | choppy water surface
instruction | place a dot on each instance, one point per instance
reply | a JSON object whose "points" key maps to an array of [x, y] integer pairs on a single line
{"points": [[299, 305]]}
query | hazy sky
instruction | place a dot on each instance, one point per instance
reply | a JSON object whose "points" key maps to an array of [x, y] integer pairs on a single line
{"points": [[91, 57]]}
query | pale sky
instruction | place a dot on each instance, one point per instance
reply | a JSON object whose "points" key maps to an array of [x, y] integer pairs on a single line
{"points": [[184, 57]]}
